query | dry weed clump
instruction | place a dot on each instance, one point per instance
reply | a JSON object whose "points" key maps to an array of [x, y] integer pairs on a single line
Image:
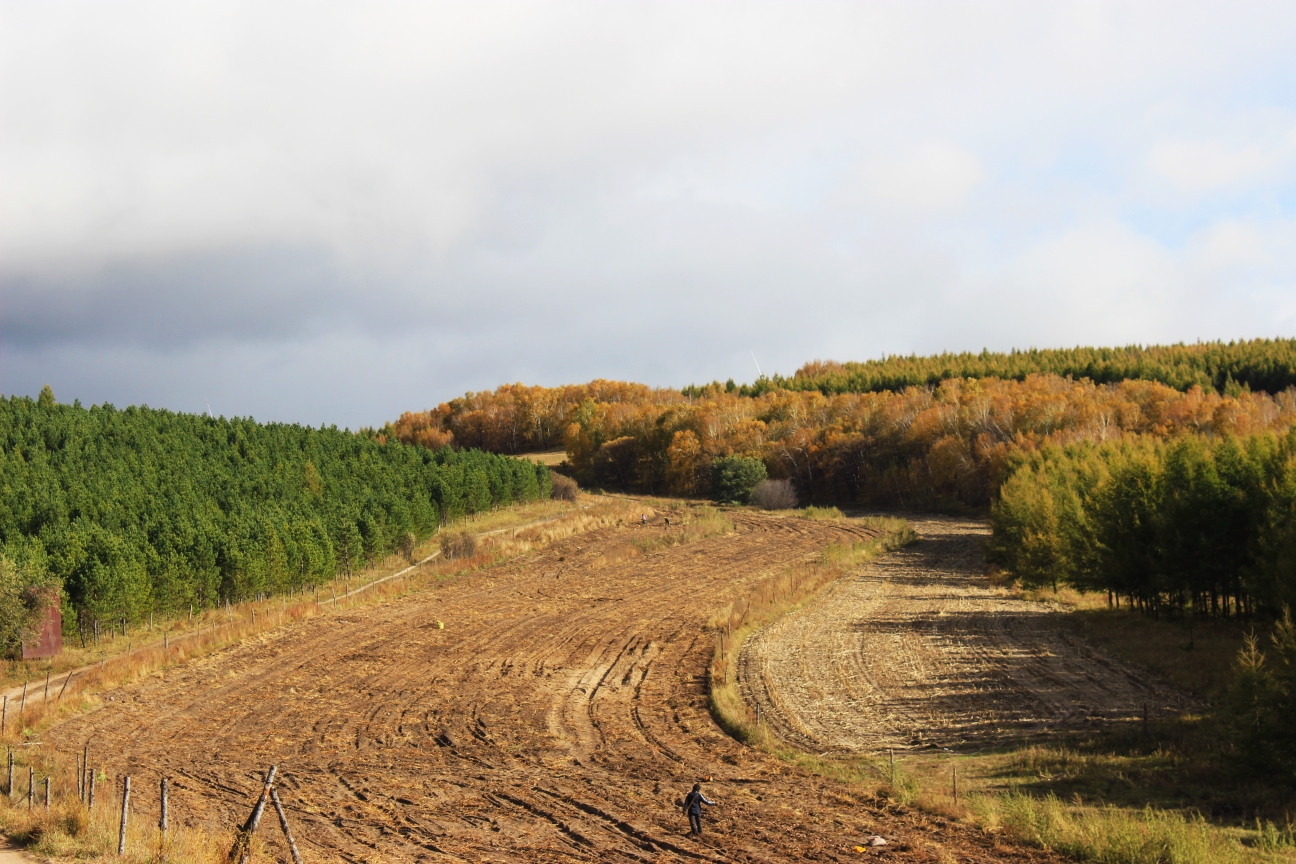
{"points": [[458, 544], [774, 495], [564, 488]]}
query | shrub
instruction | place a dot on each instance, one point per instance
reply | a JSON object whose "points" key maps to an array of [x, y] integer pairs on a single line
{"points": [[734, 477], [774, 495], [458, 544], [564, 488]]}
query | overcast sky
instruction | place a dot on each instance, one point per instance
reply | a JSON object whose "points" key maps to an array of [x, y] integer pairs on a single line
{"points": [[333, 213]]}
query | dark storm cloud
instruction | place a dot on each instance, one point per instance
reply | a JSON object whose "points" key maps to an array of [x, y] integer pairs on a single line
{"points": [[167, 305]]}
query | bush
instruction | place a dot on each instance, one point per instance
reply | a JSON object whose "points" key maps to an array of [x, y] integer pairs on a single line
{"points": [[774, 495], [458, 544], [734, 477], [564, 488]]}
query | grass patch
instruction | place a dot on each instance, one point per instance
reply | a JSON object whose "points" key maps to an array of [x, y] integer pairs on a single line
{"points": [[820, 513], [1113, 835], [1197, 658], [688, 525]]}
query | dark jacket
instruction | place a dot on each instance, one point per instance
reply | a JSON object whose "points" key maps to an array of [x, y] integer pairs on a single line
{"points": [[693, 802]]}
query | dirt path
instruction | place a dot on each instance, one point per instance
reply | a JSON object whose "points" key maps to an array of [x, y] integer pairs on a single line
{"points": [[10, 855], [558, 716], [919, 650]]}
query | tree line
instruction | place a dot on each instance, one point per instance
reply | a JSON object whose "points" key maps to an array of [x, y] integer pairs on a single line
{"points": [[1190, 526], [139, 510], [1226, 367], [947, 446]]}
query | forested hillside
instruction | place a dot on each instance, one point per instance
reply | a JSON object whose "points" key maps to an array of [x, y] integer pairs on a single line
{"points": [[141, 510], [945, 446], [1259, 364]]}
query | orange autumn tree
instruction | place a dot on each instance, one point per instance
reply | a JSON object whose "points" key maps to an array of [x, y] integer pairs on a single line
{"points": [[944, 445]]}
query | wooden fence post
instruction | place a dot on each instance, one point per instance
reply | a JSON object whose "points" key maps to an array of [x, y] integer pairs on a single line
{"points": [[22, 708], [242, 850], [162, 811], [90, 791], [121, 835], [9, 785], [31, 787], [47, 800], [65, 683], [4, 715], [85, 771], [47, 677], [283, 823]]}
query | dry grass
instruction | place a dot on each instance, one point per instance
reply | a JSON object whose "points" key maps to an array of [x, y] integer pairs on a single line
{"points": [[546, 457], [771, 598], [1197, 659], [821, 513], [1115, 835], [68, 830]]}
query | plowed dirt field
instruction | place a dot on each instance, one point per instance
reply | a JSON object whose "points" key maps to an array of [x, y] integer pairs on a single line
{"points": [[558, 716], [916, 650]]}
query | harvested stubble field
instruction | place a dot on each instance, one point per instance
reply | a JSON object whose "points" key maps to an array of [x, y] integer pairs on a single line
{"points": [[559, 715], [917, 651]]}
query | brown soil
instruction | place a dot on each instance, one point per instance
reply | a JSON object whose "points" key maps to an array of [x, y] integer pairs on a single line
{"points": [[919, 650], [559, 715]]}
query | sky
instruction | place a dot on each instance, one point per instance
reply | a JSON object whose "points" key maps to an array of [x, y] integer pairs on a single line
{"points": [[331, 213]]}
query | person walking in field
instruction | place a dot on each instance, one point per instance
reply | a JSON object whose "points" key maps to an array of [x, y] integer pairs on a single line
{"points": [[693, 802]]}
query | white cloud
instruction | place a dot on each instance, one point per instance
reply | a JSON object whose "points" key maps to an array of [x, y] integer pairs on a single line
{"points": [[935, 176], [1101, 283], [1203, 165]]}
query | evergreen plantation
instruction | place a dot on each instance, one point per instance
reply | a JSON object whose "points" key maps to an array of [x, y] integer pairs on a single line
{"points": [[1197, 525], [140, 510], [1226, 367]]}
